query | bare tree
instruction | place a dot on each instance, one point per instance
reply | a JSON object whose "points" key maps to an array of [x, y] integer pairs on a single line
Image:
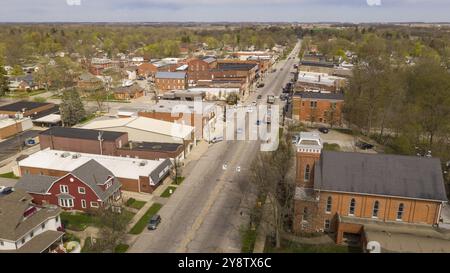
{"points": [[270, 173]]}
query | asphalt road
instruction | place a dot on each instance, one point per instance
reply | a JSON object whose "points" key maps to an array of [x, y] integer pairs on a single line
{"points": [[207, 210]]}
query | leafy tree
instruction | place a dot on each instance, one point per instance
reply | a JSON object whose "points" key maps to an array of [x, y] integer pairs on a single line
{"points": [[3, 81], [17, 71], [72, 108]]}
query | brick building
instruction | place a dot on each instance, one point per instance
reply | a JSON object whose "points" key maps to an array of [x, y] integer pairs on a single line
{"points": [[89, 186], [112, 143], [128, 92], [337, 192], [147, 70], [27, 109], [200, 115], [318, 107], [10, 127], [138, 175], [200, 69], [166, 81]]}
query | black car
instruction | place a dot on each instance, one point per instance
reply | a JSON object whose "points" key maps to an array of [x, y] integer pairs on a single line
{"points": [[154, 222], [323, 130], [259, 97], [364, 145]]}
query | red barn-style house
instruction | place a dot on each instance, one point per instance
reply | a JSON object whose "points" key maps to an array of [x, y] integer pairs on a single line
{"points": [[90, 186]]}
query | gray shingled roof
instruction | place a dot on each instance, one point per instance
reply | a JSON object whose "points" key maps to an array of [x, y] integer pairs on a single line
{"points": [[35, 183], [93, 174], [79, 133], [380, 174], [170, 75], [156, 178], [320, 95]]}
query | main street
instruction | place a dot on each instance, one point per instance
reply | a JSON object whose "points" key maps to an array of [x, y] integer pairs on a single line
{"points": [[207, 210]]}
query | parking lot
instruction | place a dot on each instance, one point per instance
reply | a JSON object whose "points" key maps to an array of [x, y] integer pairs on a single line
{"points": [[13, 145]]}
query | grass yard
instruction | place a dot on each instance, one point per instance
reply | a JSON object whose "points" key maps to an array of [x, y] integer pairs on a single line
{"points": [[142, 223], [331, 147], [178, 180], [121, 248], [166, 193], [9, 175], [80, 221], [248, 238], [135, 204], [292, 247], [345, 131]]}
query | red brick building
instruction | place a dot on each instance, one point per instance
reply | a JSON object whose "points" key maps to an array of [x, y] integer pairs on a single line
{"points": [[344, 193], [147, 70], [318, 107], [200, 69], [128, 92], [166, 81], [90, 186]]}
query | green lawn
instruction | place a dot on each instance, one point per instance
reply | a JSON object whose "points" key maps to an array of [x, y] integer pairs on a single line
{"points": [[121, 248], [292, 247], [80, 221], [88, 118], [331, 147], [166, 193], [142, 223], [178, 180], [9, 175], [136, 204], [248, 238]]}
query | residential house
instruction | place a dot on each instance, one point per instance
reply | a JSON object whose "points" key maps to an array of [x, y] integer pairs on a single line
{"points": [[26, 227], [90, 186], [88, 82]]}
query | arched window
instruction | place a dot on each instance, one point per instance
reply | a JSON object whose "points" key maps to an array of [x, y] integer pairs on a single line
{"points": [[351, 210], [329, 204], [307, 172], [401, 208], [376, 208]]}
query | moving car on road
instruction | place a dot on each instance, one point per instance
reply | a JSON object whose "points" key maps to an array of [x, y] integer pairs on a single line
{"points": [[154, 222], [217, 139]]}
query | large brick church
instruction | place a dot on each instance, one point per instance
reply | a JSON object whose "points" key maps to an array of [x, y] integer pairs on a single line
{"points": [[342, 192]]}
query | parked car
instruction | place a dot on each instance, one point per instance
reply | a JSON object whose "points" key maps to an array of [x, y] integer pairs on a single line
{"points": [[254, 103], [154, 222], [295, 139], [324, 130], [364, 145], [260, 85], [217, 139], [259, 97]]}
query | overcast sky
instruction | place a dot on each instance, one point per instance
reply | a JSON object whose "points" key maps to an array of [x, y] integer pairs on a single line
{"points": [[224, 10]]}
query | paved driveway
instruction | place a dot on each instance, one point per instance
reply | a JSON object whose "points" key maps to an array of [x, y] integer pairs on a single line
{"points": [[8, 182]]}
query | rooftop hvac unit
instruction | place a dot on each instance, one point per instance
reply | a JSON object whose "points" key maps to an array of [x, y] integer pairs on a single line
{"points": [[64, 155], [143, 163], [75, 156]]}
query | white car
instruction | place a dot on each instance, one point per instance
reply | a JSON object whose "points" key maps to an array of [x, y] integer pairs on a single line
{"points": [[254, 103], [249, 109], [217, 139]]}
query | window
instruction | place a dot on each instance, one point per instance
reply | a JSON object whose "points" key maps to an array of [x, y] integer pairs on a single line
{"points": [[23, 241], [43, 225], [313, 104], [351, 210], [81, 190], [305, 214], [326, 225], [2, 243], [66, 203], [64, 189], [83, 203], [401, 208], [57, 219], [307, 172], [94, 204], [31, 234], [376, 208], [329, 203]]}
